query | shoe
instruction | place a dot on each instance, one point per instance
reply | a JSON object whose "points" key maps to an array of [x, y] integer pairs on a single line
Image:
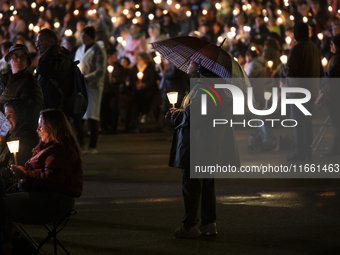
{"points": [[90, 151], [181, 232], [209, 229], [296, 157], [143, 119]]}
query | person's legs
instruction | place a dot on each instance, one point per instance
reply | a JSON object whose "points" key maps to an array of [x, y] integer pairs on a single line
{"points": [[208, 201], [94, 128], [78, 129]]}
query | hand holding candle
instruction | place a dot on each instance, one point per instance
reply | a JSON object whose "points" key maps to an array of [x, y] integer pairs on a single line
{"points": [[13, 147], [110, 70], [172, 96]]}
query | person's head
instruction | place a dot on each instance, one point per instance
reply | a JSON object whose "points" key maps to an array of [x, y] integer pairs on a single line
{"points": [[335, 43], [10, 115], [112, 54], [81, 25], [301, 31], [154, 30], [192, 68], [135, 29], [18, 58], [143, 59], [5, 48], [68, 42], [125, 62], [46, 38], [54, 126], [335, 28], [88, 35]]}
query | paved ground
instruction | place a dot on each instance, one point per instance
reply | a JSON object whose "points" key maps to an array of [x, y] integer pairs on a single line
{"points": [[132, 200]]}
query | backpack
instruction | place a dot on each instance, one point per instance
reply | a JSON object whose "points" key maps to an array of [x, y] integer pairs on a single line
{"points": [[77, 102]]}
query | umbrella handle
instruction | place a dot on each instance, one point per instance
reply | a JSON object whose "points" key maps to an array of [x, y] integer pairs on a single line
{"points": [[223, 42]]}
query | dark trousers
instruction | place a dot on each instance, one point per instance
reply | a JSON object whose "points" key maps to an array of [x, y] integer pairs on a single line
{"points": [[109, 111], [94, 130], [196, 192], [303, 132]]}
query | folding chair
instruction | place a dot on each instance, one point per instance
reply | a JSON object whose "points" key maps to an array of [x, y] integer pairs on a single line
{"points": [[53, 231], [319, 136]]}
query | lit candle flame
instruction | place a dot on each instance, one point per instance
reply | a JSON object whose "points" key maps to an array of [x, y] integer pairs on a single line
{"points": [[158, 60], [57, 25], [76, 12], [140, 75], [33, 5], [324, 62], [270, 63], [188, 13], [151, 16], [320, 36], [68, 32], [218, 6], [284, 59], [41, 8]]}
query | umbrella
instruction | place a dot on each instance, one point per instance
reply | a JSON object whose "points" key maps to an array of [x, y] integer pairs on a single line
{"points": [[181, 50]]}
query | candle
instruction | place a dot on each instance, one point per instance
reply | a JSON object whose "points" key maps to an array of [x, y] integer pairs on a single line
{"points": [[110, 70], [188, 13], [30, 27], [177, 6], [267, 96], [36, 29], [140, 76], [204, 12], [158, 60], [288, 40], [218, 6], [76, 12], [172, 96], [41, 8], [57, 25], [13, 147], [270, 64], [33, 5], [151, 16], [284, 59], [68, 32], [324, 62], [320, 36]]}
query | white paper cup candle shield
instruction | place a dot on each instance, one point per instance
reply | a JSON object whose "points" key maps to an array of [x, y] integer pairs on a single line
{"points": [[13, 147], [172, 96]]}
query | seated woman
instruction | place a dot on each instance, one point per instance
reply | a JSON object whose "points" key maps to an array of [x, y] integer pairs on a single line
{"points": [[23, 116], [52, 177]]}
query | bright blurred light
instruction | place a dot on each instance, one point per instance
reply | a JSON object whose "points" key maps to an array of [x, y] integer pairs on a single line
{"points": [[36, 29], [233, 29], [76, 12], [288, 40], [204, 12], [218, 6], [253, 48], [236, 12], [244, 7], [110, 69], [15, 12], [57, 25], [291, 17], [284, 59], [248, 6], [188, 13], [267, 95], [41, 8], [126, 12], [320, 36], [305, 19], [1, 15], [264, 11], [231, 35], [165, 12], [330, 8], [246, 28], [151, 16], [286, 4], [123, 43], [119, 39], [158, 60], [11, 18], [177, 6], [339, 11], [138, 14], [324, 62], [220, 39], [90, 12], [95, 1], [236, 59], [68, 32], [169, 2], [279, 20], [11, 8], [279, 12], [265, 19], [30, 27], [270, 63], [33, 5], [134, 21], [114, 19], [137, 6]]}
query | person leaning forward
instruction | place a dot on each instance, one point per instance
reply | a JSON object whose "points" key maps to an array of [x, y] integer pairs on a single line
{"points": [[18, 82]]}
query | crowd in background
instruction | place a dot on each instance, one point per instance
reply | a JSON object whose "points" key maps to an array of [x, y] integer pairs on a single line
{"points": [[259, 35]]}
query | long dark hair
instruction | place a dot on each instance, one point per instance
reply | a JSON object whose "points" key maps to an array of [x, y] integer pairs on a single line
{"points": [[59, 129]]}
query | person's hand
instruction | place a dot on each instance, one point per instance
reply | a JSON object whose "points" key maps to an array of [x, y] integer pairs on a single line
{"points": [[172, 110], [18, 171], [140, 85], [113, 79]]}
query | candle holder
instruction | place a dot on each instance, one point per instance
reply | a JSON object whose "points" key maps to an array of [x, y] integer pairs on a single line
{"points": [[13, 147], [172, 96]]}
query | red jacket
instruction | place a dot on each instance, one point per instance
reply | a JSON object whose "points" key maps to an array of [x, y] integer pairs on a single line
{"points": [[54, 168]]}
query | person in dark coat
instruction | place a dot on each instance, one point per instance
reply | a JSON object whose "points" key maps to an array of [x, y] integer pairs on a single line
{"points": [[23, 117], [55, 68], [333, 71], [190, 132], [304, 61], [18, 82]]}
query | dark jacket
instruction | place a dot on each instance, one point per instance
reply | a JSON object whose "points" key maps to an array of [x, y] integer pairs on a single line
{"points": [[113, 87], [150, 78], [20, 85], [54, 168], [56, 66], [26, 118]]}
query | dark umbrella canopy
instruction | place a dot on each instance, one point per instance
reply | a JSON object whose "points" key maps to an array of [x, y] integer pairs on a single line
{"points": [[181, 50]]}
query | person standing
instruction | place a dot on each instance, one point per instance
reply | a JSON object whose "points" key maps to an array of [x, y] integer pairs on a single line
{"points": [[304, 62], [93, 66]]}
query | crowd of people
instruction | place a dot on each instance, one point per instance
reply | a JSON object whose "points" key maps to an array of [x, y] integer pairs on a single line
{"points": [[127, 80]]}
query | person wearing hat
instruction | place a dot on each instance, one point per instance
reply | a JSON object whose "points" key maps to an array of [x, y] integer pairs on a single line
{"points": [[304, 62], [93, 66], [18, 82], [332, 70]]}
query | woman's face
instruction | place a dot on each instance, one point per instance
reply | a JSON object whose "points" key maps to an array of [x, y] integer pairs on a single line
{"points": [[333, 47], [141, 61], [10, 115], [44, 136], [192, 68]]}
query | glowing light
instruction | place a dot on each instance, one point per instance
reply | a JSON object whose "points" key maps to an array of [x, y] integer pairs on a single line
{"points": [[330, 8], [188, 13], [169, 2], [253, 48], [279, 20], [126, 12], [286, 4], [15, 12], [270, 63], [204, 12], [11, 18], [265, 19], [134, 21], [95, 1], [151, 16], [68, 32], [119, 39], [165, 12], [249, 6], [1, 15], [291, 17], [33, 5], [320, 36], [13, 146], [138, 14], [284, 59], [177, 6], [30, 27], [137, 6], [41, 8], [172, 96], [11, 8], [244, 7], [288, 40], [57, 25], [339, 11], [233, 29], [279, 12], [236, 12], [231, 35], [114, 19], [324, 62], [76, 12], [236, 59], [112, 39], [264, 11], [305, 19], [90, 12], [140, 75], [218, 6], [158, 60], [267, 95], [246, 28], [36, 29], [110, 69], [220, 39]]}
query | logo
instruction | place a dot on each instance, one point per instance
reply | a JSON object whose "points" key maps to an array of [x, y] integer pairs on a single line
{"points": [[204, 97]]}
